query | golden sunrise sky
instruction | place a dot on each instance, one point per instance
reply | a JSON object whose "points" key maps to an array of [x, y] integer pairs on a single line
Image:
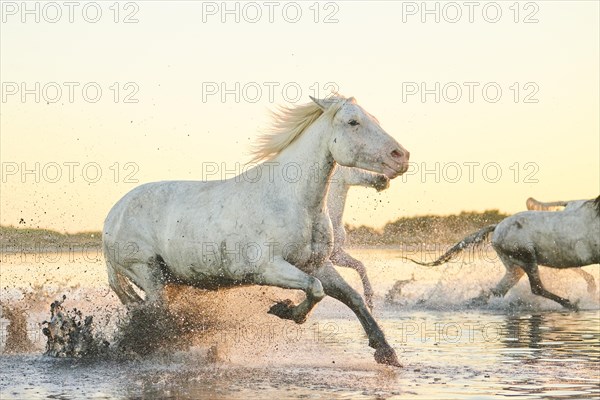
{"points": [[541, 133]]}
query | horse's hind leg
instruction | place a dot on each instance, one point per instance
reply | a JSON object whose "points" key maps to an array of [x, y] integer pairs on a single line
{"points": [[343, 259], [148, 277], [538, 288], [121, 285], [335, 286], [282, 274], [510, 278], [589, 279]]}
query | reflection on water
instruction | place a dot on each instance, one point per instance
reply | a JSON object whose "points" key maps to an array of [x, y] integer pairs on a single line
{"points": [[520, 346], [566, 343]]}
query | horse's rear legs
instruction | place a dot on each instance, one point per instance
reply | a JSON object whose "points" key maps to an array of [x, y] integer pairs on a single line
{"points": [[510, 279], [121, 285], [336, 287], [282, 274], [538, 288], [148, 278]]}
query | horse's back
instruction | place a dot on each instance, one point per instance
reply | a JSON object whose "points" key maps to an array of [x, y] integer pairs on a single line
{"points": [[555, 239], [143, 214]]}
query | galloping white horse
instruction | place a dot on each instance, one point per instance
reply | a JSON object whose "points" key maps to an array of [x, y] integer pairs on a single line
{"points": [[343, 178], [566, 239], [268, 226], [534, 205]]}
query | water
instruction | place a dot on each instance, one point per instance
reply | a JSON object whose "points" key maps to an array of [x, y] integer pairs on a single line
{"points": [[520, 346]]}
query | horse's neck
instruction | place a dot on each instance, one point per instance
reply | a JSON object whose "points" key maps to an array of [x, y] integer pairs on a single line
{"points": [[310, 152]]}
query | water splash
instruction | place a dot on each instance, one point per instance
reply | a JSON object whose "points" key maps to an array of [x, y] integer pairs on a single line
{"points": [[70, 334], [17, 340], [458, 286], [188, 317]]}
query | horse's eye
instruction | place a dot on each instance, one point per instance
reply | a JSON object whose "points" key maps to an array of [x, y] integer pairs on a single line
{"points": [[353, 122]]}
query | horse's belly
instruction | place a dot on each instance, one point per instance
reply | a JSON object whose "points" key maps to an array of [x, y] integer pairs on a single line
{"points": [[209, 263], [570, 255], [204, 279]]}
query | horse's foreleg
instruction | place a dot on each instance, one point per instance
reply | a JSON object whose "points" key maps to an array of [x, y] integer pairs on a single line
{"points": [[343, 259], [589, 279], [368, 179], [282, 274], [335, 286], [538, 288]]}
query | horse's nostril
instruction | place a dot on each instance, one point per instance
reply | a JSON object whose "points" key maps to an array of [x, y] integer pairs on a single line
{"points": [[396, 154]]}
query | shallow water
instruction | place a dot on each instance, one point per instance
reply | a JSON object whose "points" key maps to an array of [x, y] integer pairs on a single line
{"points": [[520, 346]]}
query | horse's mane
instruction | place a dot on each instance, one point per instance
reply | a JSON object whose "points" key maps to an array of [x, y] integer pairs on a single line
{"points": [[287, 125], [595, 204]]}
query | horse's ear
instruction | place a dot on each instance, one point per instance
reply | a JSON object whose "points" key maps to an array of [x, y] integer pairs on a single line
{"points": [[323, 104]]}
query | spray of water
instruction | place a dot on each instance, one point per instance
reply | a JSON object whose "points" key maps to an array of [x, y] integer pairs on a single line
{"points": [[17, 340], [187, 317]]}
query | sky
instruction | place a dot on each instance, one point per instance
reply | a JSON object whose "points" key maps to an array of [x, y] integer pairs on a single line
{"points": [[496, 102]]}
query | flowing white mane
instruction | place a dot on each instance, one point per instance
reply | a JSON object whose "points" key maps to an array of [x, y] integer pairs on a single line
{"points": [[287, 125]]}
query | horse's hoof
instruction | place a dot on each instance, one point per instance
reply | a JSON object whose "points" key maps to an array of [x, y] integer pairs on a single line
{"points": [[387, 355], [285, 310], [572, 306], [478, 301], [282, 309], [382, 182]]}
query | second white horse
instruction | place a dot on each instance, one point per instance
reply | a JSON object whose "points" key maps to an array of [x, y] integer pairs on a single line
{"points": [[343, 178]]}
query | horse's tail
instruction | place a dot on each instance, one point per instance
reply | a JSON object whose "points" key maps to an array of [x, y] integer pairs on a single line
{"points": [[120, 284], [473, 240]]}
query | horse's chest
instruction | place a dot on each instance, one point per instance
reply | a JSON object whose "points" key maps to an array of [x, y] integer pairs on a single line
{"points": [[314, 246]]}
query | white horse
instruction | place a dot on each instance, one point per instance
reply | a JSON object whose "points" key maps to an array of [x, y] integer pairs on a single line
{"points": [[534, 205], [566, 239], [267, 226], [341, 181]]}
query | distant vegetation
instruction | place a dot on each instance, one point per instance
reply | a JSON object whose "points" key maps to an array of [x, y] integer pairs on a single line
{"points": [[31, 239], [421, 230], [427, 229]]}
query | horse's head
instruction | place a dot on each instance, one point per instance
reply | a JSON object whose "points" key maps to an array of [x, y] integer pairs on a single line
{"points": [[358, 140]]}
